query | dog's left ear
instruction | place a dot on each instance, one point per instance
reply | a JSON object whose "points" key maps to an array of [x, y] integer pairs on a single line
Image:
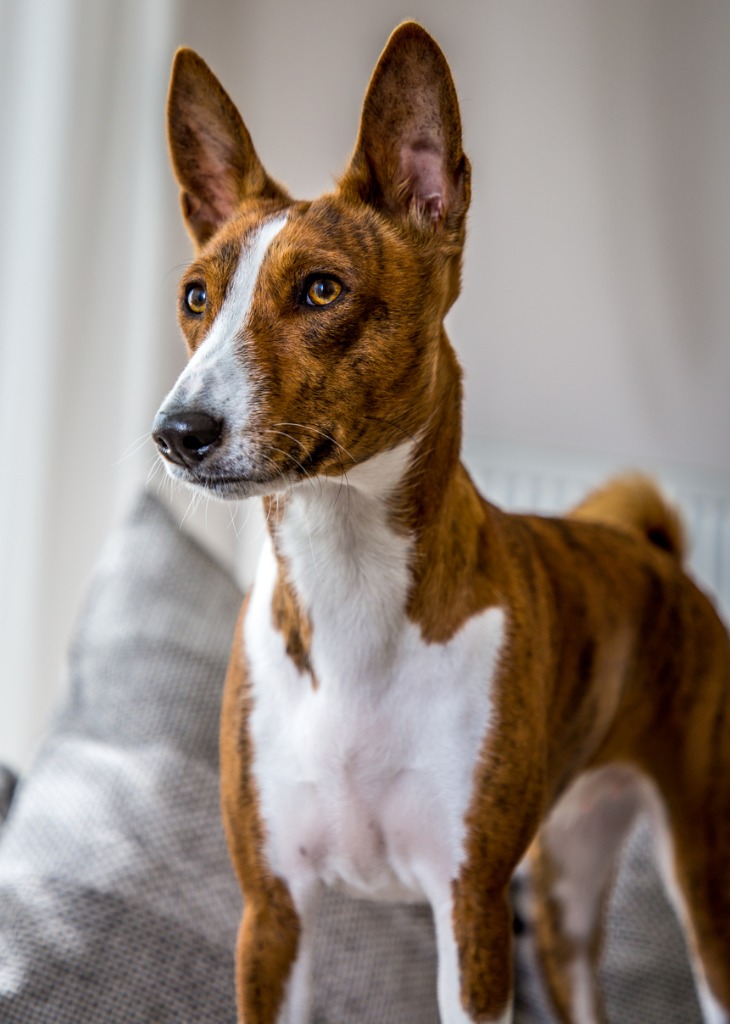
{"points": [[408, 158]]}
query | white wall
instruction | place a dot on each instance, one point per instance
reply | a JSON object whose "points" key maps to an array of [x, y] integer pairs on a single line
{"points": [[595, 312], [82, 264], [595, 309]]}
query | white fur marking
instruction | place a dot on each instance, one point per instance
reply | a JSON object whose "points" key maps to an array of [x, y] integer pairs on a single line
{"points": [[582, 991], [216, 378], [298, 995], [353, 774], [349, 567], [712, 1011], [583, 835], [451, 1010]]}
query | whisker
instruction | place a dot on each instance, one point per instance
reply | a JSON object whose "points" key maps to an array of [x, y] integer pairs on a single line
{"points": [[344, 482], [190, 510], [232, 514], [234, 510], [180, 266], [322, 433], [132, 449], [249, 506], [284, 434], [154, 469], [308, 476]]}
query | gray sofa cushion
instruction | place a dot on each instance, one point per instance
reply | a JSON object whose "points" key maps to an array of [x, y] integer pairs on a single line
{"points": [[117, 900], [116, 896]]}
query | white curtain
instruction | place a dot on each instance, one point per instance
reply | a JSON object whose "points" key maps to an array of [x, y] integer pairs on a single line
{"points": [[595, 311], [91, 248], [84, 253]]}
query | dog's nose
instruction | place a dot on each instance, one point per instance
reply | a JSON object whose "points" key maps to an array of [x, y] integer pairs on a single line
{"points": [[186, 437]]}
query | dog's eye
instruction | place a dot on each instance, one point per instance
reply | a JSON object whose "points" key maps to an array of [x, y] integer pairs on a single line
{"points": [[322, 291], [196, 299]]}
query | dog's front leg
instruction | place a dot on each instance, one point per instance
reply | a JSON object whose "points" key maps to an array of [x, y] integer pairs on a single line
{"points": [[274, 956], [274, 950], [470, 899], [474, 961]]}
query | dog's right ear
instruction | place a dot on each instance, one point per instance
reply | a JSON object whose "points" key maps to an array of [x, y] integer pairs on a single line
{"points": [[212, 154]]}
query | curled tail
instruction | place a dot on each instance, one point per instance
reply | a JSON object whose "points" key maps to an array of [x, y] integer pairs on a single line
{"points": [[634, 502]]}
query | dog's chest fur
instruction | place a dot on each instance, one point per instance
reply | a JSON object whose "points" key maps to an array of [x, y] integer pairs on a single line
{"points": [[356, 762]]}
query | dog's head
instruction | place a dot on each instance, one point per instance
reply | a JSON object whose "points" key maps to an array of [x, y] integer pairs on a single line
{"points": [[314, 328]]}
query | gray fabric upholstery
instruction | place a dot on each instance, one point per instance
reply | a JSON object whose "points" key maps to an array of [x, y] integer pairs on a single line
{"points": [[646, 974], [117, 900], [116, 896]]}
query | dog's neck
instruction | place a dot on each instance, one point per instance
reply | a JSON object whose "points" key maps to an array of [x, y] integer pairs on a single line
{"points": [[345, 561], [362, 556]]}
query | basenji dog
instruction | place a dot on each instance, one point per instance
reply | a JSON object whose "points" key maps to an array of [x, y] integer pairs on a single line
{"points": [[423, 690]]}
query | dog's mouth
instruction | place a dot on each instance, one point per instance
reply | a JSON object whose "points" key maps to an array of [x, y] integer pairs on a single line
{"points": [[193, 447], [227, 486]]}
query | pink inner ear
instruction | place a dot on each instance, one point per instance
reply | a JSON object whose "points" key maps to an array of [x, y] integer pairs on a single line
{"points": [[212, 165], [422, 166]]}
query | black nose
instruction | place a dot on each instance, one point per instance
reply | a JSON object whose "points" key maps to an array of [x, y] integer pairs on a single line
{"points": [[186, 437]]}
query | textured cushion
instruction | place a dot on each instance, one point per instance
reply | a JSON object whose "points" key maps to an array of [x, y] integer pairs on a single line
{"points": [[116, 896], [117, 900]]}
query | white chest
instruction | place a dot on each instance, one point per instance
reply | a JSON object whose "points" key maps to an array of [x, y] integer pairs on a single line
{"points": [[364, 780]]}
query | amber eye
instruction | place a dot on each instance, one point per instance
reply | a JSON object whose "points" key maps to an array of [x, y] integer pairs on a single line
{"points": [[195, 299], [322, 291]]}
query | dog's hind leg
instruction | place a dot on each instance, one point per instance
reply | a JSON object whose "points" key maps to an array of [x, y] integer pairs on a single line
{"points": [[693, 853], [572, 867]]}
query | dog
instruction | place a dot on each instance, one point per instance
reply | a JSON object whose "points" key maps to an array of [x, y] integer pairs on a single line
{"points": [[423, 690]]}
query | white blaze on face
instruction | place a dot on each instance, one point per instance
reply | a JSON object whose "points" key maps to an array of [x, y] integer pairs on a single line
{"points": [[216, 380]]}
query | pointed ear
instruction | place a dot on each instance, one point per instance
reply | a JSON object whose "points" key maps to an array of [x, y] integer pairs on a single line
{"points": [[408, 158], [211, 151]]}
